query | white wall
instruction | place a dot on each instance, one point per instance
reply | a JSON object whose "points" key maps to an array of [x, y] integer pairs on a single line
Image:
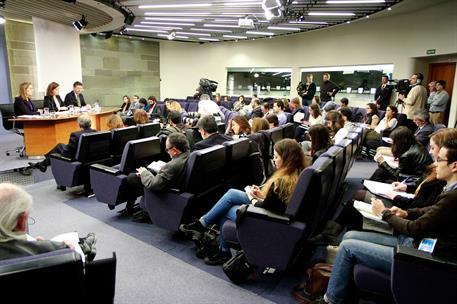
{"points": [[58, 54], [386, 38]]}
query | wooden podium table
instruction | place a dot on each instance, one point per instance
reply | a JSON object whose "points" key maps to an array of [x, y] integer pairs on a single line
{"points": [[42, 134]]}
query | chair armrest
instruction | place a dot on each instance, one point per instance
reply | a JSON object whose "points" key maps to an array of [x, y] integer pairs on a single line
{"points": [[106, 169], [266, 214], [58, 156], [423, 258]]}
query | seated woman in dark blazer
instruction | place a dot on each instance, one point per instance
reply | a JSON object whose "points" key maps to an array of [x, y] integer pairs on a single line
{"points": [[23, 104], [52, 100]]}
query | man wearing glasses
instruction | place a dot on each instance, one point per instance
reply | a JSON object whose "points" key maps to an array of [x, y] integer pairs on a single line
{"points": [[168, 176]]}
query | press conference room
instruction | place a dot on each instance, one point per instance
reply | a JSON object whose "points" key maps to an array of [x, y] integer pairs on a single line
{"points": [[228, 151]]}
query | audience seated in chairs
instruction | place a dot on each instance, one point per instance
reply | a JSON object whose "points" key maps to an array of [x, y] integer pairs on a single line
{"points": [[346, 113], [174, 124], [256, 108], [371, 120], [372, 138], [140, 117], [319, 141], [66, 150], [412, 157], [259, 124], [315, 116], [238, 127], [170, 175], [272, 120], [334, 121], [207, 126], [278, 109], [15, 206], [115, 122], [125, 107], [152, 108], [275, 194], [375, 250], [422, 120]]}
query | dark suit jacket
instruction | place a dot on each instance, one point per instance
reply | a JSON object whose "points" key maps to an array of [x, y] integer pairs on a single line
{"points": [[49, 103], [69, 150], [153, 110], [70, 99], [24, 107], [212, 140], [422, 135], [257, 112], [21, 248], [382, 96]]}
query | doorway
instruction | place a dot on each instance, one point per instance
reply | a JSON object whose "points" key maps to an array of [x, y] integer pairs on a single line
{"points": [[443, 71]]}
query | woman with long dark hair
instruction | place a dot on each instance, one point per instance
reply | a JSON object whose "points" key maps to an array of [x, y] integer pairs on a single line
{"points": [[372, 118], [238, 127], [274, 195], [52, 100], [412, 158], [320, 140]]}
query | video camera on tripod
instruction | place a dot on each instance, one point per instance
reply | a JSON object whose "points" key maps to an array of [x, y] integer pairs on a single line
{"points": [[402, 86], [206, 86]]}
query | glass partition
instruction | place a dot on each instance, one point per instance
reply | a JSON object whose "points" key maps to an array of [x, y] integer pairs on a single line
{"points": [[264, 82]]}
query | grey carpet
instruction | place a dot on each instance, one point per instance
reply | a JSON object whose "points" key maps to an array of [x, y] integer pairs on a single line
{"points": [[145, 274]]}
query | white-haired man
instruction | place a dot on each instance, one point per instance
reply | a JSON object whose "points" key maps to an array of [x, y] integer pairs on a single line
{"points": [[15, 206]]}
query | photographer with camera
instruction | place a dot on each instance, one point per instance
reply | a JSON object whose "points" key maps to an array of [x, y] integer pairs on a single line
{"points": [[208, 107], [306, 90], [416, 98]]}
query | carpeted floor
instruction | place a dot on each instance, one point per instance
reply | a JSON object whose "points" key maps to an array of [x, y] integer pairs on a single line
{"points": [[156, 265]]}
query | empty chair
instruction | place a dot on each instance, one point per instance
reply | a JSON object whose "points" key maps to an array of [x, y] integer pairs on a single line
{"points": [[92, 148], [349, 155], [119, 138], [110, 183], [63, 270], [148, 129], [263, 143], [202, 187], [237, 163]]}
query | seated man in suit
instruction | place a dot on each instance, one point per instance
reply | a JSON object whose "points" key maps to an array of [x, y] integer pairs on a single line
{"points": [[15, 206], [424, 129], [174, 124], [66, 150], [75, 97], [170, 175], [207, 127]]}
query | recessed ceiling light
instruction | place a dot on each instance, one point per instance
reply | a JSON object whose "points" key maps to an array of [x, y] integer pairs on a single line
{"points": [[280, 28], [159, 27], [177, 36], [220, 25], [247, 3], [234, 36], [308, 22], [210, 30], [355, 1], [177, 13], [330, 14], [153, 6], [260, 33], [193, 34], [174, 19], [209, 39], [130, 29], [168, 23]]}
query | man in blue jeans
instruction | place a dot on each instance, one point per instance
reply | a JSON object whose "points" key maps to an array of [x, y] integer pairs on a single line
{"points": [[376, 250]]}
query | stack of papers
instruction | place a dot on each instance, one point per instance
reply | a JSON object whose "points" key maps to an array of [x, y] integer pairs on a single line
{"points": [[381, 189], [372, 221], [155, 166]]}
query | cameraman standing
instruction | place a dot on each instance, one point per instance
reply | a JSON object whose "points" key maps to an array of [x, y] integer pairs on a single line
{"points": [[417, 96]]}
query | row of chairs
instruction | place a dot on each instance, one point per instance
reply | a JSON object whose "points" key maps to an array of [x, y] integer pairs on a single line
{"points": [[208, 173], [104, 147], [274, 240]]}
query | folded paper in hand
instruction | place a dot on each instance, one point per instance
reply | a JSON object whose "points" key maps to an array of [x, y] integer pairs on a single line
{"points": [[372, 221], [155, 166]]}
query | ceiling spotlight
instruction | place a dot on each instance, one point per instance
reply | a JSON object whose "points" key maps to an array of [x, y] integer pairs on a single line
{"points": [[81, 23], [272, 8], [172, 35]]}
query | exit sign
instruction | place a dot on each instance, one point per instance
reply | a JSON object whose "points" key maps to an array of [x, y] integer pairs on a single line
{"points": [[431, 52]]}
